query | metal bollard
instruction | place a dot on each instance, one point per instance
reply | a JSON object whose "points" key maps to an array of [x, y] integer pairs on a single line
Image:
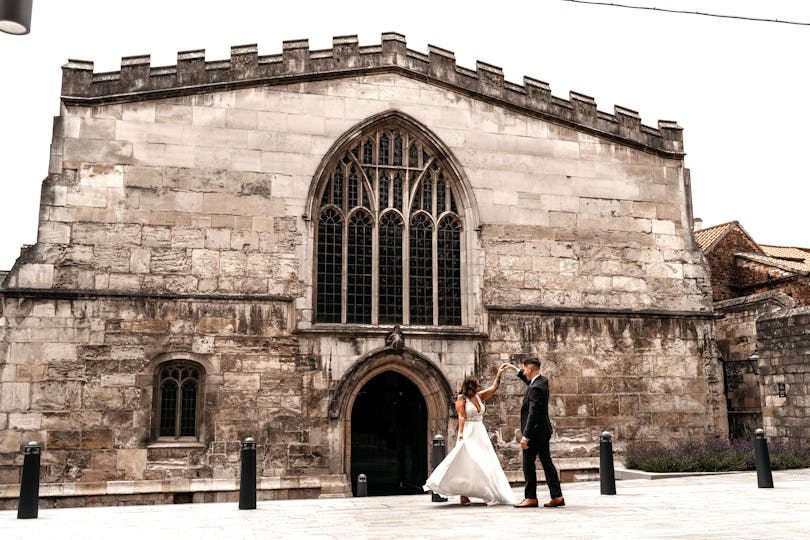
{"points": [[362, 485], [763, 459], [438, 456], [607, 478], [247, 481], [28, 506]]}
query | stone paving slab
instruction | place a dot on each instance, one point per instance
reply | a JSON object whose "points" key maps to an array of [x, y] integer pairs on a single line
{"points": [[714, 506]]}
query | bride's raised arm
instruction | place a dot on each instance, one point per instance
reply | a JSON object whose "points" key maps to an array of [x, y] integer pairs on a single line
{"points": [[487, 393]]}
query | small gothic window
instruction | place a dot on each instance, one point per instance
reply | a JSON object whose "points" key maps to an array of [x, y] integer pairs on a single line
{"points": [[413, 160], [398, 150], [353, 187], [368, 152], [389, 244], [384, 191], [398, 192], [384, 149], [178, 389], [441, 196]]}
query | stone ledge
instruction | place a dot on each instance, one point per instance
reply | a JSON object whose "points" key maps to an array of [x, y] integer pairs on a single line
{"points": [[605, 312], [744, 302], [70, 294], [635, 474], [355, 330], [170, 445], [329, 485]]}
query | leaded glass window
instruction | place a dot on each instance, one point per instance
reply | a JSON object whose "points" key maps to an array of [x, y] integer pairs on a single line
{"points": [[330, 266], [448, 284], [389, 235], [391, 232], [178, 387], [421, 284], [358, 275]]}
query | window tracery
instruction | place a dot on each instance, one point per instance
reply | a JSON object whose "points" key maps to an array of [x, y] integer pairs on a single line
{"points": [[389, 234], [178, 389]]}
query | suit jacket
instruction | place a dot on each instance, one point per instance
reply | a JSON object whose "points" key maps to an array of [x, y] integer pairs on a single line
{"points": [[534, 421]]}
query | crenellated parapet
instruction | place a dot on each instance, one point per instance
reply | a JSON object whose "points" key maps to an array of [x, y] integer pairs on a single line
{"points": [[138, 80]]}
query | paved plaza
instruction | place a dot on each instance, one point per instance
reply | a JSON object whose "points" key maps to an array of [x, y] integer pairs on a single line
{"points": [[707, 506]]}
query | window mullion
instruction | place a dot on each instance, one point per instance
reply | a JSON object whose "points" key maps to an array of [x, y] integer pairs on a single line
{"points": [[435, 272], [344, 269], [406, 273], [406, 248], [375, 271], [375, 247], [178, 409]]}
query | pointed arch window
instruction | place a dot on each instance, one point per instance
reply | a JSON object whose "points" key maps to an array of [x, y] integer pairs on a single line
{"points": [[389, 244], [178, 396]]}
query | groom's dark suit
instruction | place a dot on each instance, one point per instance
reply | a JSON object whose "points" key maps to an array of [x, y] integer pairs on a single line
{"points": [[536, 426]]}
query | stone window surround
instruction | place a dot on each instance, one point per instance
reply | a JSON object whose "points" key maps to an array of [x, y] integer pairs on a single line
{"points": [[467, 209], [149, 382]]}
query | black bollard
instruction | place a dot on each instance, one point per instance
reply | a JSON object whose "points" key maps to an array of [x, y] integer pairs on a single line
{"points": [[763, 459], [438, 456], [362, 485], [28, 506], [247, 482], [607, 478]]}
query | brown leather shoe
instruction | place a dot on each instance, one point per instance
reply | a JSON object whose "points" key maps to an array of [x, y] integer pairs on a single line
{"points": [[555, 502], [527, 503]]}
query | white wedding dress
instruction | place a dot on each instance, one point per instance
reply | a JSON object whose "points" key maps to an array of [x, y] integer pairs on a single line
{"points": [[472, 467]]}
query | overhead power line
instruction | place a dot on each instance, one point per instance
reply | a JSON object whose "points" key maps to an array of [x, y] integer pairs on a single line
{"points": [[757, 19]]}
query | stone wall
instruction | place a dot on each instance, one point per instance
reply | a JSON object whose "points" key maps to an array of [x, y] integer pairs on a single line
{"points": [[639, 377], [80, 374], [785, 359], [737, 341]]}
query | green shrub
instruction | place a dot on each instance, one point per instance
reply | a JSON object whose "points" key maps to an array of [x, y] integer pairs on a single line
{"points": [[711, 456]]}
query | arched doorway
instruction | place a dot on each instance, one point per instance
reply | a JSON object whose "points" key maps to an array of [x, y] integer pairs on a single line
{"points": [[389, 428]]}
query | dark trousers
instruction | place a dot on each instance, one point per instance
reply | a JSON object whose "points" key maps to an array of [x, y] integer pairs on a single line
{"points": [[540, 448]]}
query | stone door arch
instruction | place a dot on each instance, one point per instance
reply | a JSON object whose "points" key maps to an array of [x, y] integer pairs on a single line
{"points": [[417, 369]]}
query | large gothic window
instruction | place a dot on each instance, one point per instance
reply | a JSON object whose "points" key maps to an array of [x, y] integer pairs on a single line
{"points": [[389, 234]]}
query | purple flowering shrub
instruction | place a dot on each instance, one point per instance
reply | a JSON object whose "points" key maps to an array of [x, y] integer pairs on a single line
{"points": [[712, 455]]}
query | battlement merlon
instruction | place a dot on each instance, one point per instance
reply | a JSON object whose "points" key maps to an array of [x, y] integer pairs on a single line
{"points": [[138, 80]]}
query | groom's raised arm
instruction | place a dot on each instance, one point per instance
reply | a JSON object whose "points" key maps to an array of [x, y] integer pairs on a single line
{"points": [[521, 376]]}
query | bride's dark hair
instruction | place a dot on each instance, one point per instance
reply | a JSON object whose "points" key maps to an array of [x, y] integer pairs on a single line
{"points": [[470, 386]]}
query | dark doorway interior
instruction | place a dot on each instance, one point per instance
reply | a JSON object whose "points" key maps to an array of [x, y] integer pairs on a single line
{"points": [[389, 436]]}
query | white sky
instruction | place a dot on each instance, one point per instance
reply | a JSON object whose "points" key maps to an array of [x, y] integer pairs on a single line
{"points": [[738, 88]]}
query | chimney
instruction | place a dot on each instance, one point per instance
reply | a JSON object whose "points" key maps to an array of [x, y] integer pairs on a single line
{"points": [[698, 225]]}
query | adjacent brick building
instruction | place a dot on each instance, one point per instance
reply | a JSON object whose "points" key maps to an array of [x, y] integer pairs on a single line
{"points": [[314, 248], [755, 289], [740, 266]]}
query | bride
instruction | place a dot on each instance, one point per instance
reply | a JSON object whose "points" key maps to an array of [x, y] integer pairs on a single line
{"points": [[472, 468]]}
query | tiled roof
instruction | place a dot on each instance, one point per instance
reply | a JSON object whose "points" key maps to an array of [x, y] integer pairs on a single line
{"points": [[708, 236], [790, 257]]}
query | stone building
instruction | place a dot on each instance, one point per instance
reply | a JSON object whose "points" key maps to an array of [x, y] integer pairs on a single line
{"points": [[314, 248], [761, 338]]}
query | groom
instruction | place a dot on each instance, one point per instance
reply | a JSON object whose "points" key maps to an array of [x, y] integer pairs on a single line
{"points": [[536, 428]]}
